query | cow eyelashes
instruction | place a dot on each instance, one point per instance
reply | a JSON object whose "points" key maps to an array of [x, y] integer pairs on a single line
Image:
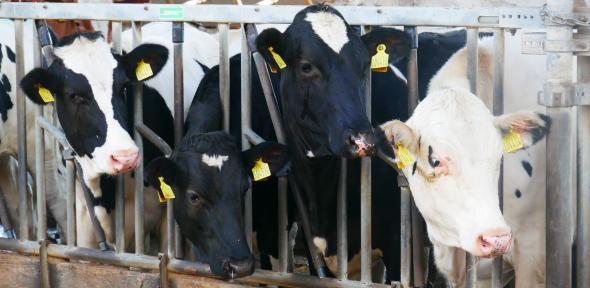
{"points": [[193, 197]]}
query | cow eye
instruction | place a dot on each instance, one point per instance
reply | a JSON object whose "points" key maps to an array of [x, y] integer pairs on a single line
{"points": [[76, 98], [193, 197], [306, 67], [436, 163]]}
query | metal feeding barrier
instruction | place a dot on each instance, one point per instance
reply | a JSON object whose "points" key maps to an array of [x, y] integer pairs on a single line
{"points": [[558, 99]]}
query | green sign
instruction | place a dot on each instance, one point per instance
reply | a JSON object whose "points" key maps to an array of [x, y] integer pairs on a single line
{"points": [[171, 13]]}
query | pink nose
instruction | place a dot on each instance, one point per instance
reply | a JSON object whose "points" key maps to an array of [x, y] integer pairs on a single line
{"points": [[125, 160], [494, 243]]}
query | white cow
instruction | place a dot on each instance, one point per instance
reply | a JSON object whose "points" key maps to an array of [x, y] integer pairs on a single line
{"points": [[457, 145]]}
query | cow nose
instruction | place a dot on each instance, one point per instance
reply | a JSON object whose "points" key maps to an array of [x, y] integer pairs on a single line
{"points": [[125, 160], [362, 144], [494, 243], [233, 269]]}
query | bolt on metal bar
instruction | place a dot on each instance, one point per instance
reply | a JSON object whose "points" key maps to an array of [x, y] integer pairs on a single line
{"points": [[366, 255], [224, 71], [560, 171], [472, 62], [583, 225], [342, 217], [178, 41], [138, 118], [116, 33], [246, 104], [21, 132], [70, 203], [498, 109]]}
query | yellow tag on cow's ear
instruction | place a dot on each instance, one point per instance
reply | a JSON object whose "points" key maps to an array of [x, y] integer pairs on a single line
{"points": [[45, 94], [278, 59], [143, 70], [380, 61], [260, 170], [165, 192], [512, 142], [404, 156]]}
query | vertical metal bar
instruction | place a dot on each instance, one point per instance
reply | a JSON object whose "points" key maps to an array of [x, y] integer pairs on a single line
{"points": [[498, 109], [366, 259], [583, 225], [44, 264], [71, 202], [224, 72], [138, 118], [560, 171], [39, 157], [178, 40], [405, 233], [23, 209], [472, 39], [342, 217], [246, 104], [117, 31]]}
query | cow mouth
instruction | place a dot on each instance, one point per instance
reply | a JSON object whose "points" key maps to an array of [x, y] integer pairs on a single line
{"points": [[361, 145]]}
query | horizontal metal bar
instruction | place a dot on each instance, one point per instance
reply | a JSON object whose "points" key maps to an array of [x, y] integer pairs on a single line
{"points": [[500, 17], [153, 138], [252, 137], [53, 130], [178, 266]]}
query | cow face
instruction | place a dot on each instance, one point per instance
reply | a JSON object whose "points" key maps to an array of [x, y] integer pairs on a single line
{"points": [[209, 177], [87, 82], [457, 146], [323, 82]]}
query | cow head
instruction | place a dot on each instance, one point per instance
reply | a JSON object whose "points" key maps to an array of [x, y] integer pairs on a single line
{"points": [[456, 148], [209, 177], [87, 82], [323, 80]]}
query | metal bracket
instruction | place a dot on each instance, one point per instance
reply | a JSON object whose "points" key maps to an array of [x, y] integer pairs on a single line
{"points": [[68, 153], [556, 95], [535, 43]]}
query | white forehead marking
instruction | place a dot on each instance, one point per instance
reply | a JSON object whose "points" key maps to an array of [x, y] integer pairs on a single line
{"points": [[330, 28], [214, 160], [310, 154]]}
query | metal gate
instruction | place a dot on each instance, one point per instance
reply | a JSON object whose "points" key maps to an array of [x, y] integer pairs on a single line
{"points": [[560, 97]]}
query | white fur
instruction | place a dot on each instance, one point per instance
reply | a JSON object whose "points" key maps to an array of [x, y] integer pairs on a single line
{"points": [[214, 160], [310, 154], [398, 73], [321, 244], [330, 28]]}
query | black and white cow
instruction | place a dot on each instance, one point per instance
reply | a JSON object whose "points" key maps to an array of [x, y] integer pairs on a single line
{"points": [[209, 176]]}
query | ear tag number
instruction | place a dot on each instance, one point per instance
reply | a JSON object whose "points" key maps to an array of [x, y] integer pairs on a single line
{"points": [[261, 170], [143, 70], [277, 57], [165, 192], [512, 142], [380, 61], [403, 155], [45, 94]]}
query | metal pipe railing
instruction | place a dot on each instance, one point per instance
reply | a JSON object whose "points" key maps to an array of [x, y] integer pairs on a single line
{"points": [[366, 195], [40, 138], [138, 119], [246, 120], [178, 42], [224, 81], [342, 227], [21, 130], [498, 109]]}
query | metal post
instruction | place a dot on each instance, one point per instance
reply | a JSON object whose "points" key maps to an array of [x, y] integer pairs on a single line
{"points": [[342, 217], [498, 109], [138, 118], [224, 72], [405, 232], [560, 171], [366, 258], [246, 104], [583, 225], [117, 31], [71, 202], [472, 39], [178, 40], [40, 154], [23, 209]]}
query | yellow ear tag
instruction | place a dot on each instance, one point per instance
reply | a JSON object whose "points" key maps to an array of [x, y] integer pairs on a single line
{"points": [[512, 142], [143, 70], [45, 94], [277, 58], [380, 61], [260, 170], [165, 192], [403, 155]]}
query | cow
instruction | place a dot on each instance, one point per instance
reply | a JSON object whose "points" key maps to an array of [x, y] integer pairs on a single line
{"points": [[455, 147], [210, 176]]}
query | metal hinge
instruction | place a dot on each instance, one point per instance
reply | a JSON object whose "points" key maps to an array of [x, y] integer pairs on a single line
{"points": [[535, 43]]}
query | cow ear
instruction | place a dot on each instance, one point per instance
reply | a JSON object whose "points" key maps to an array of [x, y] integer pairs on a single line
{"points": [[273, 154], [269, 44], [397, 133], [161, 167], [40, 86], [522, 129], [397, 43], [145, 61]]}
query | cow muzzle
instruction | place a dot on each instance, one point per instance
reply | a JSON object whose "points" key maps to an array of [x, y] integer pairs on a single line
{"points": [[233, 269], [361, 144], [125, 160], [494, 243]]}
